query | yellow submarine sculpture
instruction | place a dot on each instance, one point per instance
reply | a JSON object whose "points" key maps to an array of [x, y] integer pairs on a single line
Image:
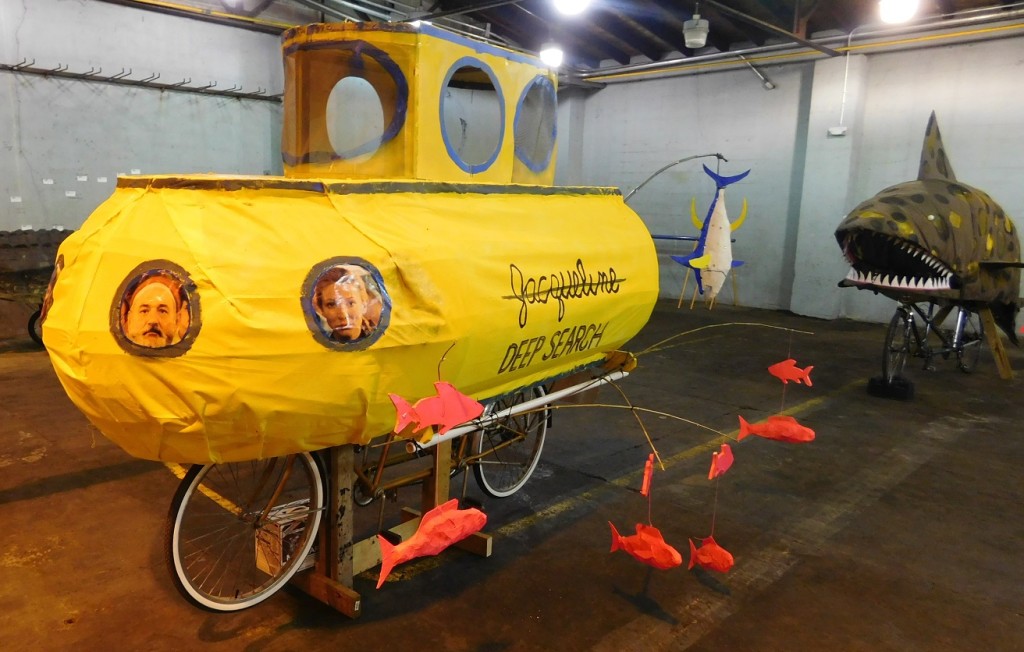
{"points": [[416, 237]]}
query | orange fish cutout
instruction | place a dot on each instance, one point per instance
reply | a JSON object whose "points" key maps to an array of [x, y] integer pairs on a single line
{"points": [[448, 409], [710, 555], [779, 428], [439, 528], [787, 371], [720, 462], [645, 489], [647, 546]]}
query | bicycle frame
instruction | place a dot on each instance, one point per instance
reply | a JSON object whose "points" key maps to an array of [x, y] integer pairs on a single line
{"points": [[370, 474]]}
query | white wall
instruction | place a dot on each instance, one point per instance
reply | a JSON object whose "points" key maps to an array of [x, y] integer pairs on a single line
{"points": [[793, 262], [61, 129]]}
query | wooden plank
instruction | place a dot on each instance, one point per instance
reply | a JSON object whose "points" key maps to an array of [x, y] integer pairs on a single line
{"points": [[330, 581], [435, 487], [334, 594], [996, 344]]}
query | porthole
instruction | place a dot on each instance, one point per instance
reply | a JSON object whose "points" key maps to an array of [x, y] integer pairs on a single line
{"points": [[355, 119], [472, 115], [345, 303], [156, 310], [534, 129]]}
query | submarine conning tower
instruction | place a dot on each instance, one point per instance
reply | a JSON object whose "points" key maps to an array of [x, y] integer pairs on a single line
{"points": [[400, 101]]}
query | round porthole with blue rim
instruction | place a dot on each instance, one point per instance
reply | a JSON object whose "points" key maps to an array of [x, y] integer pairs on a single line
{"points": [[346, 305], [534, 128], [472, 115], [367, 107]]}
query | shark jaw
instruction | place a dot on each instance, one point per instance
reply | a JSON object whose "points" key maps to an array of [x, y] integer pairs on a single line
{"points": [[885, 261]]}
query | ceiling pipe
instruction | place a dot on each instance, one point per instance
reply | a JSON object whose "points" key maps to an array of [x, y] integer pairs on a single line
{"points": [[757, 22], [949, 21], [463, 10]]}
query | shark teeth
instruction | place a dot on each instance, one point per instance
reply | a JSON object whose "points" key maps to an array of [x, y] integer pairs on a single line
{"points": [[911, 283]]}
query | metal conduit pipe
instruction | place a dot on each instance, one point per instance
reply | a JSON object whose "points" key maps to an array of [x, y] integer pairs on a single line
{"points": [[684, 65], [533, 404]]}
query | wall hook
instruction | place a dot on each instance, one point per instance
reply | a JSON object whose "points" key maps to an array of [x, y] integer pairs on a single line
{"points": [[155, 75], [121, 74]]}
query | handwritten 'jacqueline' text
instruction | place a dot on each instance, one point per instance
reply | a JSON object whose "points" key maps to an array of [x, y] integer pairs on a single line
{"points": [[573, 283]]}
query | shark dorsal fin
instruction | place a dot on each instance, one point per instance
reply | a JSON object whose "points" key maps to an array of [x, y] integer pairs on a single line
{"points": [[934, 162]]}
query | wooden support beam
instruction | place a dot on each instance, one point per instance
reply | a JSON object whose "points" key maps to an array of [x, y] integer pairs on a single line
{"points": [[330, 581], [996, 344]]}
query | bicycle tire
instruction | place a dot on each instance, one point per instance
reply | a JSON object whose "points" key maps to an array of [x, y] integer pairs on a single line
{"points": [[510, 448], [35, 327], [217, 542], [968, 349], [897, 346]]}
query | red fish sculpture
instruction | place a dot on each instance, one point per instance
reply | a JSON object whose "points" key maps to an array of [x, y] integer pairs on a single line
{"points": [[710, 555], [448, 409], [645, 489], [439, 528], [787, 371], [720, 462], [779, 428], [647, 546]]}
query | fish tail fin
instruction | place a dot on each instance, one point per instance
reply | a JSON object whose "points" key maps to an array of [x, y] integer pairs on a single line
{"points": [[387, 559], [744, 429], [693, 554], [723, 181], [807, 374], [406, 413], [616, 539]]}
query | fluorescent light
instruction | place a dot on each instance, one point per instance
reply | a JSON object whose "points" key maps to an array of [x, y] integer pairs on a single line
{"points": [[571, 7], [897, 11], [551, 55]]}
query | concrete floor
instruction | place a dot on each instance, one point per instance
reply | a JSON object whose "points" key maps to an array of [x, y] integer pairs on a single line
{"points": [[900, 528]]}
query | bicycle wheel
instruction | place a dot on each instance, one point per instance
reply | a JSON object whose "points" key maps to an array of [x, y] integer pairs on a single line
{"points": [[238, 531], [511, 446], [35, 327], [897, 346], [968, 349]]}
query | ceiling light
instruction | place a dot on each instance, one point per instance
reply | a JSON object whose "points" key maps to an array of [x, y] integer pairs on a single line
{"points": [[897, 11], [695, 31], [571, 7], [551, 54]]}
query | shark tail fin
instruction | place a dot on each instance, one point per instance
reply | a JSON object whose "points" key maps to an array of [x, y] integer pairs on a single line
{"points": [[807, 375], [723, 181], [693, 555]]}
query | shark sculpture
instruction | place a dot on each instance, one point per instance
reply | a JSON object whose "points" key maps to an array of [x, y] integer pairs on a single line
{"points": [[935, 239], [711, 258]]}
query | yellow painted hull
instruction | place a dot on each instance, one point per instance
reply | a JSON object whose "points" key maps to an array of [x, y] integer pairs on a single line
{"points": [[508, 285]]}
